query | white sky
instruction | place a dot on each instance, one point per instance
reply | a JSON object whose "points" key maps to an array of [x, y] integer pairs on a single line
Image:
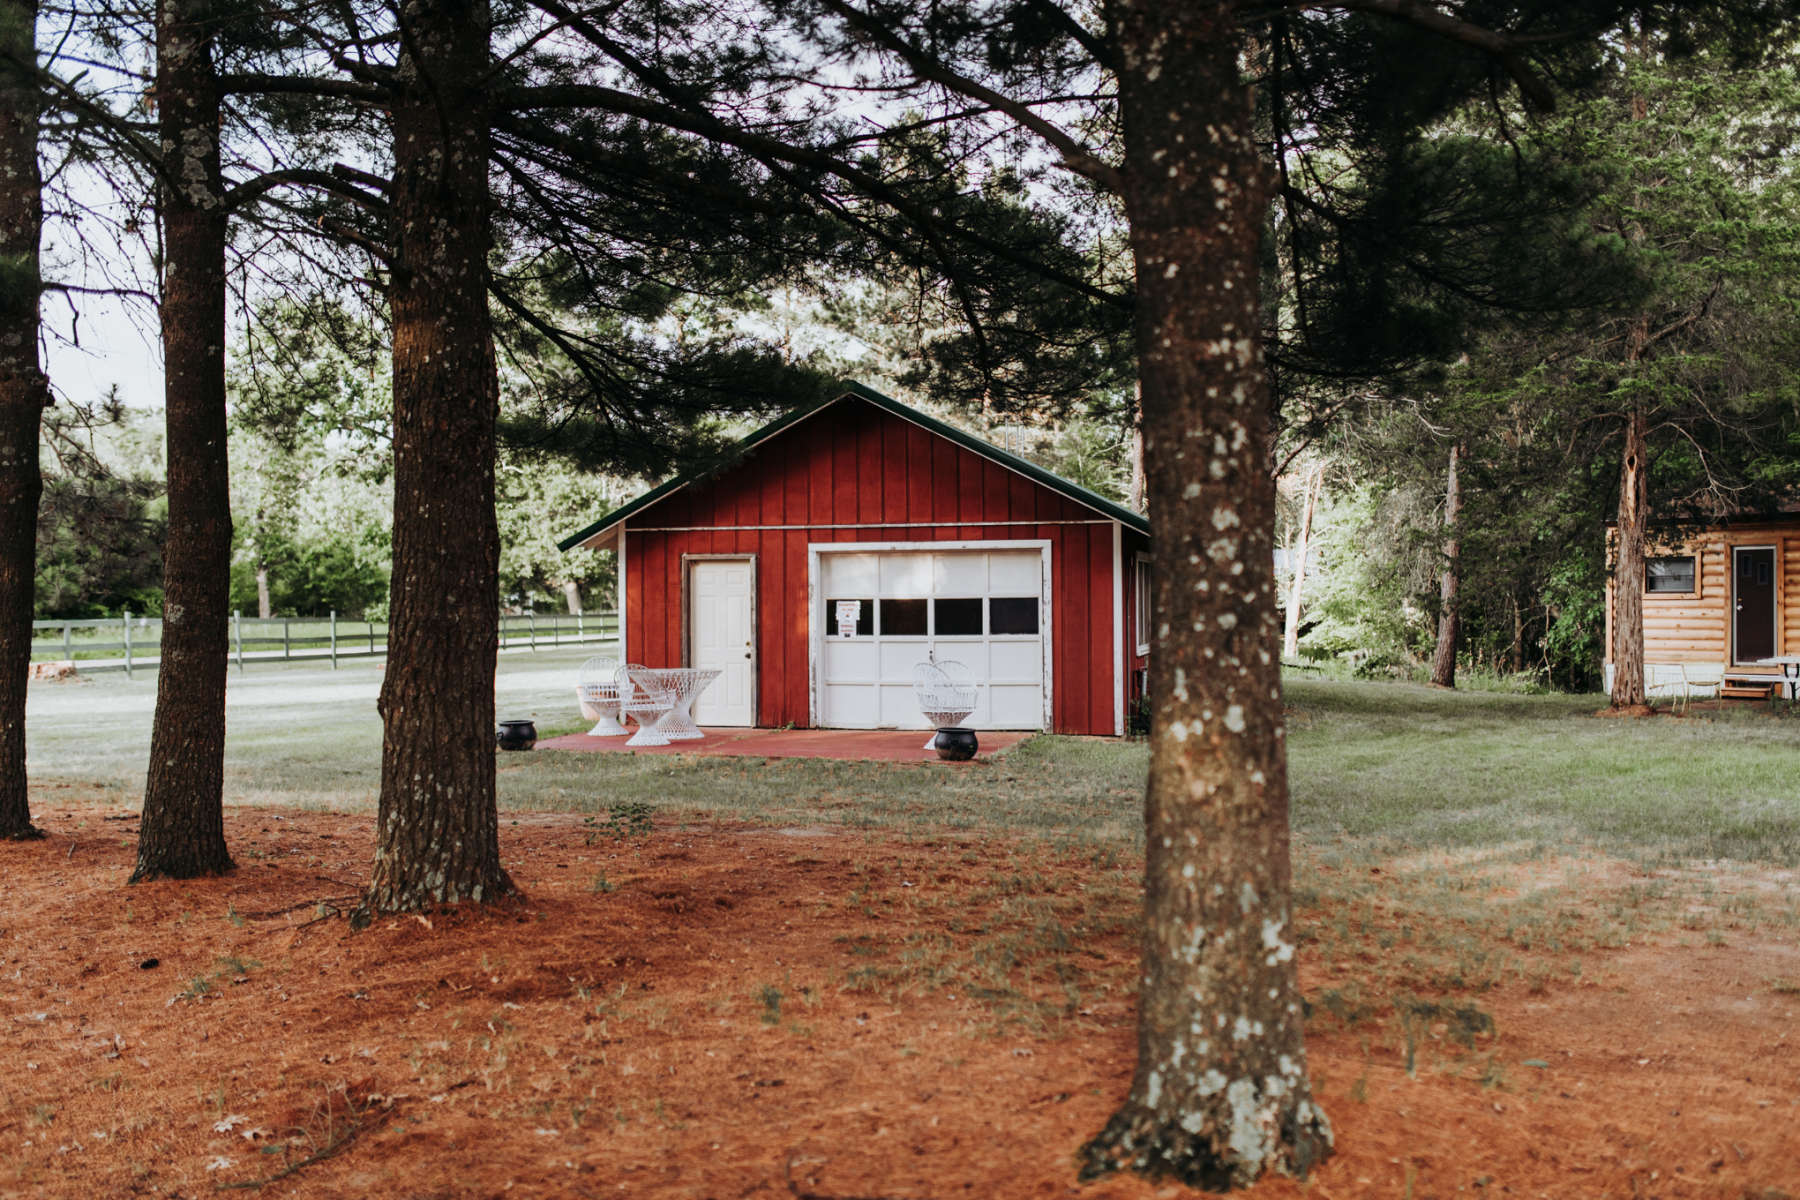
{"points": [[115, 349]]}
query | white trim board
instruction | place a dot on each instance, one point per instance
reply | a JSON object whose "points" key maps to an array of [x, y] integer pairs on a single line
{"points": [[624, 600], [1118, 640], [863, 525]]}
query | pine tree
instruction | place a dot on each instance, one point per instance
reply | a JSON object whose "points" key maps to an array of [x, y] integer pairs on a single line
{"points": [[182, 833], [24, 392]]}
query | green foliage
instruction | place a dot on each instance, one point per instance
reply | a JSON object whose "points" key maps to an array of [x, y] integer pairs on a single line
{"points": [[1689, 204], [100, 522], [312, 577], [539, 500], [1090, 451]]}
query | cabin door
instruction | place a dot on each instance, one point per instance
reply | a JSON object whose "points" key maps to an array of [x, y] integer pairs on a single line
{"points": [[1753, 603]]}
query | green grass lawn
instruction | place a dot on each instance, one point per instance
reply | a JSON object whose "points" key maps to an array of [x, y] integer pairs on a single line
{"points": [[1376, 768], [1401, 766]]}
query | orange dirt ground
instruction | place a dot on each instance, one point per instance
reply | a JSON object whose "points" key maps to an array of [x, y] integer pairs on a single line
{"points": [[752, 1013]]}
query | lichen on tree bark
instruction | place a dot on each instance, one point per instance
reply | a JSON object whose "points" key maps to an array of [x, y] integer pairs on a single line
{"points": [[1221, 1095]]}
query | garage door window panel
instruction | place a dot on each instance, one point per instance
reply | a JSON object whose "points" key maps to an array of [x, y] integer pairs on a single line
{"points": [[903, 618], [1012, 615], [865, 617], [957, 616]]}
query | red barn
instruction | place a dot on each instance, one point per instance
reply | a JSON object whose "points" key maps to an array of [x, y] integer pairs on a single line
{"points": [[841, 545]]}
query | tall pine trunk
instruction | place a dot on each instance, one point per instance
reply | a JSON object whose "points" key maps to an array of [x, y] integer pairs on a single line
{"points": [[183, 829], [1290, 634], [1443, 663], [1220, 1095], [23, 395], [438, 837], [1634, 490], [1628, 569]]}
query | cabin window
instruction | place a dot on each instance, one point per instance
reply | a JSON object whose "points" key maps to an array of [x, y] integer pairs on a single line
{"points": [[1140, 591], [1674, 574]]}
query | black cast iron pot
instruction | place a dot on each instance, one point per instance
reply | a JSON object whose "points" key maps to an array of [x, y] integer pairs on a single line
{"points": [[956, 745], [516, 735]]}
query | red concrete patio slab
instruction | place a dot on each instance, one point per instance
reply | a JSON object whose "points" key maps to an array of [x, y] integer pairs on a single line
{"points": [[862, 745]]}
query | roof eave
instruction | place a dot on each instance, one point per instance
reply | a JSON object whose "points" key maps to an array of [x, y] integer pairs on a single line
{"points": [[592, 536]]}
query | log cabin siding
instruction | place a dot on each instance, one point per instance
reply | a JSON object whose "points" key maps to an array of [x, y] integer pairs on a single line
{"points": [[1696, 628]]}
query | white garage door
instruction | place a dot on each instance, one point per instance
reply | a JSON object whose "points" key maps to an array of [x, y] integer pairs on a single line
{"points": [[987, 609]]}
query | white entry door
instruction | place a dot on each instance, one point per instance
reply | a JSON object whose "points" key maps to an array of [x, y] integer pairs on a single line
{"points": [[721, 635], [879, 613]]}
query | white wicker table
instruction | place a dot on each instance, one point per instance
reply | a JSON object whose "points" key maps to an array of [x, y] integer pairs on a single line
{"points": [[687, 683]]}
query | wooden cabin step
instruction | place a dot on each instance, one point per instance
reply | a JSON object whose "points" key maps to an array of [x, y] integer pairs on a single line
{"points": [[1738, 689]]}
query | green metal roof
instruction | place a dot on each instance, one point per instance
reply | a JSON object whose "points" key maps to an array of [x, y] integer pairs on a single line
{"points": [[856, 391]]}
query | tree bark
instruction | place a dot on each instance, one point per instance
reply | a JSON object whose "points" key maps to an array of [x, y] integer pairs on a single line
{"points": [[23, 394], [1290, 635], [571, 591], [182, 833], [264, 609], [1443, 663], [1518, 637], [438, 837], [1628, 568], [1220, 1095]]}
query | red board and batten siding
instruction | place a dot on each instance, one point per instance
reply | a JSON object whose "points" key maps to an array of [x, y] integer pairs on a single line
{"points": [[855, 473]]}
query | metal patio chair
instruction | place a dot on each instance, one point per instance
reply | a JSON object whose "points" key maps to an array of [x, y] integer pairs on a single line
{"points": [[645, 697], [946, 692], [597, 690]]}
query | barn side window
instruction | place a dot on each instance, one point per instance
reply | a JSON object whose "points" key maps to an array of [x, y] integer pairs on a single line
{"points": [[1670, 575], [1140, 592]]}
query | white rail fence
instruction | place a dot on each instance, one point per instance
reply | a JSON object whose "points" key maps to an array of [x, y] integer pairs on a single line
{"points": [[134, 643]]}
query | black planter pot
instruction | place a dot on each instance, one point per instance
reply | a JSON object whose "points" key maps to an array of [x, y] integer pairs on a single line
{"points": [[516, 735], [956, 745]]}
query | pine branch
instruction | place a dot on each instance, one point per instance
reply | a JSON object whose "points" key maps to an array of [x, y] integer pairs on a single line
{"points": [[252, 84], [325, 181], [1504, 48], [774, 152], [1075, 156]]}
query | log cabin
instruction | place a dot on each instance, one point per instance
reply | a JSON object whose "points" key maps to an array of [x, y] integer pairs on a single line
{"points": [[1718, 602]]}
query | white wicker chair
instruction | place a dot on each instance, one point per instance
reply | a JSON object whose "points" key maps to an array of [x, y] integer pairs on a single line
{"points": [[946, 692], [646, 698], [597, 690]]}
